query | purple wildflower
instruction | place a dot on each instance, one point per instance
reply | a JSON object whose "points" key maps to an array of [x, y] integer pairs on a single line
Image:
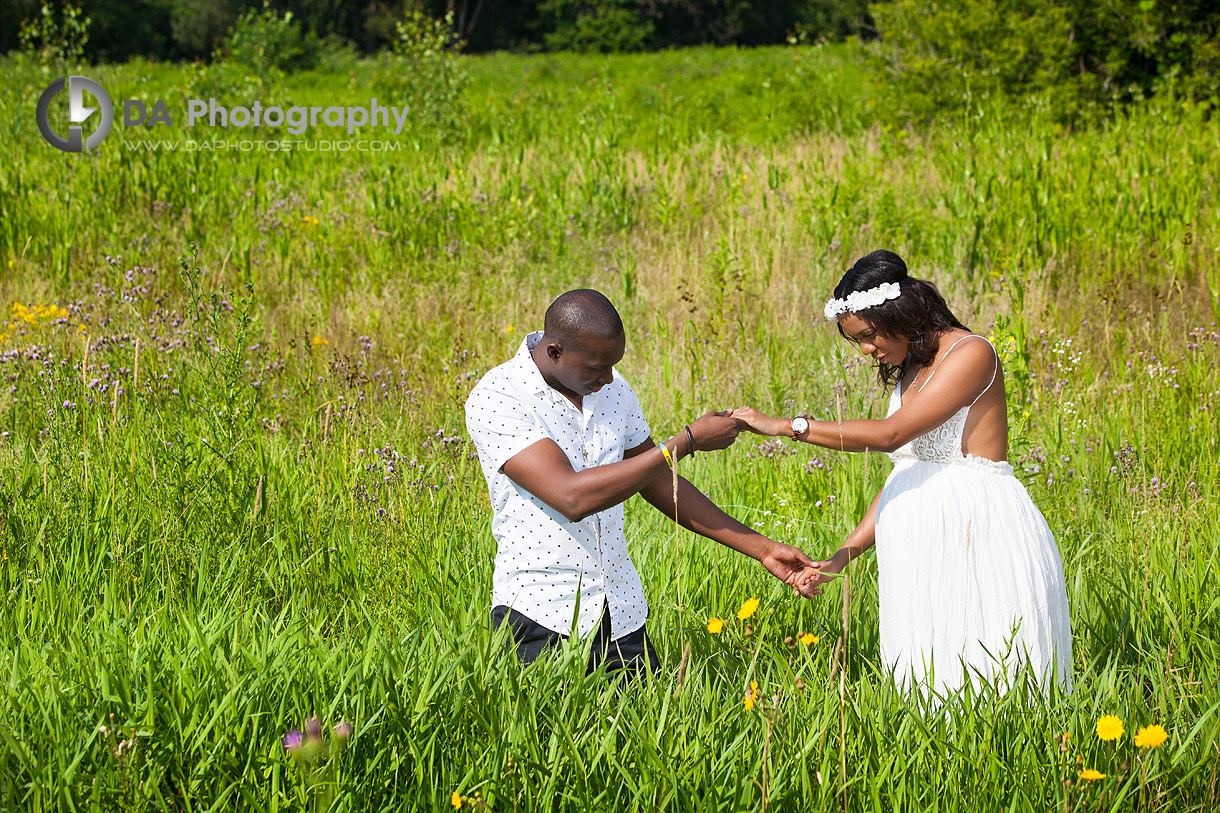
{"points": [[292, 740]]}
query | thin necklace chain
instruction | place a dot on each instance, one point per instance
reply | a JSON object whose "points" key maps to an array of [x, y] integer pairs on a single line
{"points": [[920, 371]]}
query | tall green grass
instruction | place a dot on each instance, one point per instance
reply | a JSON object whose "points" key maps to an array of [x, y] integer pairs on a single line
{"points": [[280, 516]]}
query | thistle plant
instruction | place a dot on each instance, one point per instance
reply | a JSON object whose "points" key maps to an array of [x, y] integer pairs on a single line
{"points": [[318, 758]]}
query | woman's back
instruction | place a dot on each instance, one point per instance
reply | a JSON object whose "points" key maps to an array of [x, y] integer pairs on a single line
{"points": [[980, 427]]}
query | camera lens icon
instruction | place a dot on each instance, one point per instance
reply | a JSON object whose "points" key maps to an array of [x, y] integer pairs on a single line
{"points": [[76, 141]]}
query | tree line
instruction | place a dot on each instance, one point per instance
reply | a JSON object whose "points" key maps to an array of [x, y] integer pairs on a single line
{"points": [[192, 29], [937, 55]]}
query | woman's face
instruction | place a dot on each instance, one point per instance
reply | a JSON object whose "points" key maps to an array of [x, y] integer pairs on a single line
{"points": [[882, 348]]}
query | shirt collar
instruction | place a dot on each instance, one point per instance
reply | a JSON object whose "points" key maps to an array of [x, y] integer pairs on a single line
{"points": [[529, 378]]}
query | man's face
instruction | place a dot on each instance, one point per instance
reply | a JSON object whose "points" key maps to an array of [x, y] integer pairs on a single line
{"points": [[588, 366]]}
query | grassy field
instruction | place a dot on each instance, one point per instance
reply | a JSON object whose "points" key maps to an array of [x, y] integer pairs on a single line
{"points": [[237, 489]]}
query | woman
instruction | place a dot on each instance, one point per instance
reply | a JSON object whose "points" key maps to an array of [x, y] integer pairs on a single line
{"points": [[970, 581]]}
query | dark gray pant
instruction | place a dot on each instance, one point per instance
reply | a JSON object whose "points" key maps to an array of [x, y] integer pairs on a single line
{"points": [[531, 640]]}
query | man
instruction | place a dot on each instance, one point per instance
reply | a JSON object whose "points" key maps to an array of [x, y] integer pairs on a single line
{"points": [[563, 443]]}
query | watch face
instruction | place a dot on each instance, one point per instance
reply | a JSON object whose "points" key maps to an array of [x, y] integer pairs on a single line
{"points": [[799, 425]]}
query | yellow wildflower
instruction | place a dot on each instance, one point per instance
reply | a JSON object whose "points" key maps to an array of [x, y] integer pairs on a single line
{"points": [[310, 221], [747, 609], [1091, 774], [809, 638], [83, 329], [318, 341], [455, 800], [509, 329], [714, 626], [1152, 736], [751, 695], [1109, 728]]}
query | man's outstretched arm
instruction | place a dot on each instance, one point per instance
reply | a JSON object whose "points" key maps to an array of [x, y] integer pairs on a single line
{"points": [[699, 514], [544, 470]]}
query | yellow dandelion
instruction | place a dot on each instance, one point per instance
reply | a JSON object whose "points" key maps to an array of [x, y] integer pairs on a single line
{"points": [[1109, 728], [318, 341], [1091, 774], [1152, 736], [509, 329], [714, 626], [310, 221], [808, 639], [455, 800], [82, 329], [751, 695], [748, 609]]}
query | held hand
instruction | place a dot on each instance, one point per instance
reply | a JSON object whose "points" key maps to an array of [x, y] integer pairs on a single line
{"points": [[821, 573], [715, 430], [791, 566], [754, 421]]}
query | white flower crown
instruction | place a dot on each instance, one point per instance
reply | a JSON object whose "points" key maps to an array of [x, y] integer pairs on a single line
{"points": [[859, 300]]}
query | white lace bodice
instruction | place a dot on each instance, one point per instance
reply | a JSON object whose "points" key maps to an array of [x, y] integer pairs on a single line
{"points": [[941, 444]]}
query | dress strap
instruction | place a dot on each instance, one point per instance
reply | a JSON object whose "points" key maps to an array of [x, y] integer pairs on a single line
{"points": [[994, 372], [946, 355], [950, 350]]}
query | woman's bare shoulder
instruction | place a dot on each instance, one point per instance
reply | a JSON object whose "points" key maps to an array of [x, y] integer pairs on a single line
{"points": [[971, 354]]}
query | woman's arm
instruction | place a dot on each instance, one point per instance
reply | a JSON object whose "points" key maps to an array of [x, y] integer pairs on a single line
{"points": [[857, 542], [860, 539], [961, 377]]}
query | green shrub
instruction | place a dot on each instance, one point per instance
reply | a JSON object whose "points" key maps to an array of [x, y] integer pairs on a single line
{"points": [[1131, 50], [263, 40], [56, 43], [944, 55], [940, 56], [424, 71], [260, 49], [606, 26], [223, 79], [337, 55]]}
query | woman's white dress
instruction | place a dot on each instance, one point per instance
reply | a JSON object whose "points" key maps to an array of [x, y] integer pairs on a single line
{"points": [[970, 580]]}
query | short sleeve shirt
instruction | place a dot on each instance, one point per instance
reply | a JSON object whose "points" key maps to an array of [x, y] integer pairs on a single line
{"points": [[543, 560]]}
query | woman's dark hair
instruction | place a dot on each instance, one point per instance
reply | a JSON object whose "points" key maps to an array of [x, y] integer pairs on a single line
{"points": [[918, 315]]}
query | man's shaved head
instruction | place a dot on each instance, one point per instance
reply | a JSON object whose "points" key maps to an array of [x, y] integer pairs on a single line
{"points": [[579, 316]]}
